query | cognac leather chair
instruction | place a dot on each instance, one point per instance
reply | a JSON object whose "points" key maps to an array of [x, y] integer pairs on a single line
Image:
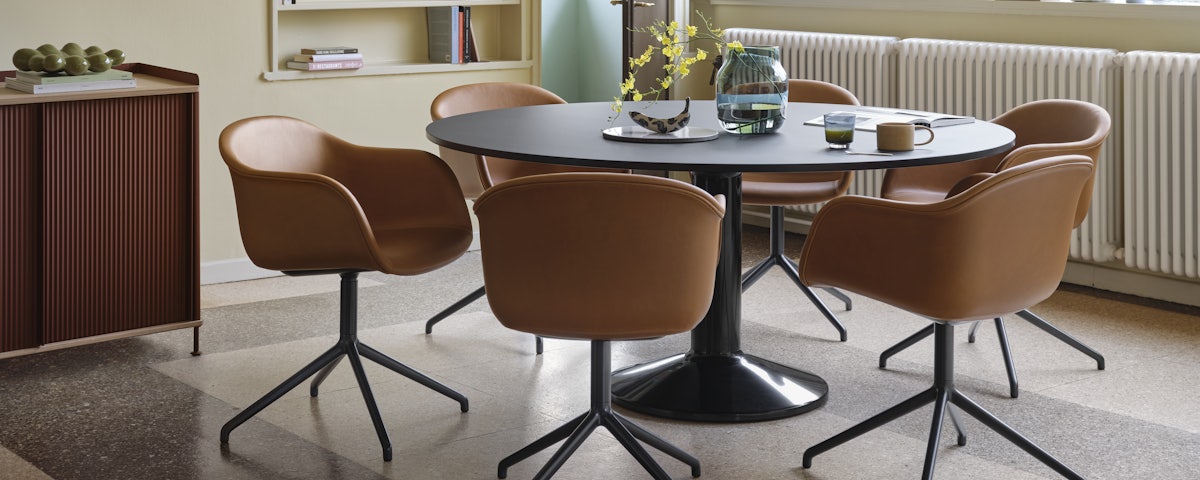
{"points": [[996, 248], [778, 190], [1044, 128], [477, 173], [599, 257], [310, 203]]}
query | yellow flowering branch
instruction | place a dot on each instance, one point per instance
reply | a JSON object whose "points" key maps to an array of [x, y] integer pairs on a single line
{"points": [[672, 39]]}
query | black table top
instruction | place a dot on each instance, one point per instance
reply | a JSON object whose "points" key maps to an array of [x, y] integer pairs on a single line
{"points": [[570, 134]]}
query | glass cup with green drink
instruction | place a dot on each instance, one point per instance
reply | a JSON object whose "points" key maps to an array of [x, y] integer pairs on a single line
{"points": [[839, 129]]}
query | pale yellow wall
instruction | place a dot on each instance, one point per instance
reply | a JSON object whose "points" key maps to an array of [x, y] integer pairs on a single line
{"points": [[225, 42]]}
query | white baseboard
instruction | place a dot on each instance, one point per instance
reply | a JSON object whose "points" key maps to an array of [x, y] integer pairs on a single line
{"points": [[233, 270], [238, 269]]}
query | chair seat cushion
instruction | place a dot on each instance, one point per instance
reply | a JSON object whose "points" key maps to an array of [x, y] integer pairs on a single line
{"points": [[784, 189], [416, 250]]}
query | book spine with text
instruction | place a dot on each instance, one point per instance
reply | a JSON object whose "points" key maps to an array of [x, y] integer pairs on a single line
{"points": [[439, 31], [27, 87], [328, 50], [41, 78], [312, 66], [330, 57]]}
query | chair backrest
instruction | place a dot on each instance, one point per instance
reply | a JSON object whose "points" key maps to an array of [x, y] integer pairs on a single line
{"points": [[476, 173], [308, 200], [996, 248], [1044, 128], [809, 91], [599, 255]]}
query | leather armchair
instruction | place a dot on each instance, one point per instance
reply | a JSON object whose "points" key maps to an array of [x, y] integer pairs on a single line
{"points": [[778, 190], [995, 248], [311, 203], [1044, 128]]}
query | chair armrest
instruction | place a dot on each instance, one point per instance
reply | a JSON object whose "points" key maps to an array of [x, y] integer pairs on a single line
{"points": [[399, 187], [324, 225]]}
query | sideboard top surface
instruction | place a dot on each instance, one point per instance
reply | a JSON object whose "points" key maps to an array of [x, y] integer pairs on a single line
{"points": [[151, 80]]}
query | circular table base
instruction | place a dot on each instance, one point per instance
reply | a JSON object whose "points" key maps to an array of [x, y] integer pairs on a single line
{"points": [[717, 388]]}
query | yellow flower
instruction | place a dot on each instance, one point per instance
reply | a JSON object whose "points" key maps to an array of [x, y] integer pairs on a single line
{"points": [[673, 41], [736, 46]]}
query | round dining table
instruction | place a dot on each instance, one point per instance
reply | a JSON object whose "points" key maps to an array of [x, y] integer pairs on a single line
{"points": [[716, 380]]}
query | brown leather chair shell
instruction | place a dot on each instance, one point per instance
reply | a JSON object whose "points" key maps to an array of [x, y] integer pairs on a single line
{"points": [[996, 248], [308, 200], [599, 256], [801, 188], [476, 173], [1044, 128]]}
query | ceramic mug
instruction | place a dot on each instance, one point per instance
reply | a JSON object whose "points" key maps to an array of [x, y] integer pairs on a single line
{"points": [[898, 137]]}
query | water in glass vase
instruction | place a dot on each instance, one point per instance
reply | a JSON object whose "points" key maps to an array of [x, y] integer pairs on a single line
{"points": [[752, 91]]}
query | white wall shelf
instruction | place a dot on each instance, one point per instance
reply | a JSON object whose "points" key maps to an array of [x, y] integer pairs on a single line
{"points": [[392, 36]]}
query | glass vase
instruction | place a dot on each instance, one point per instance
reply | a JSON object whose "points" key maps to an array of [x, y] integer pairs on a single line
{"points": [[752, 91]]}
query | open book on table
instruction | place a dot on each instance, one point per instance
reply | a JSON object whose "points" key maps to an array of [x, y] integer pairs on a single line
{"points": [[866, 118]]}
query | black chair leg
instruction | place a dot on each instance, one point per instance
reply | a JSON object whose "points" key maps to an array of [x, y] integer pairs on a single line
{"points": [[315, 386], [349, 347], [777, 257], [1009, 367], [943, 392], [1061, 335], [459, 305], [907, 342], [600, 414]]}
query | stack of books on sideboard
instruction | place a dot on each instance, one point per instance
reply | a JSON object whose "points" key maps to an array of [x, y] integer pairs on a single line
{"points": [[43, 82], [326, 58]]}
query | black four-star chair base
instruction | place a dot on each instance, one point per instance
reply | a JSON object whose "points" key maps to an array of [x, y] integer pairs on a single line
{"points": [[349, 347], [942, 394]]}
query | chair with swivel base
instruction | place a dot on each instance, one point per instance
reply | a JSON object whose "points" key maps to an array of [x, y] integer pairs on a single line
{"points": [[477, 173], [599, 257], [310, 203], [1044, 128], [778, 190], [996, 246]]}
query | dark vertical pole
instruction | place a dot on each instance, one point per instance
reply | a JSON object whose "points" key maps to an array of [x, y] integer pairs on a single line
{"points": [[720, 331], [626, 40]]}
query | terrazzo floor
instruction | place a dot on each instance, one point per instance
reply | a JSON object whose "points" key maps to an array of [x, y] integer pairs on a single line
{"points": [[145, 408]]}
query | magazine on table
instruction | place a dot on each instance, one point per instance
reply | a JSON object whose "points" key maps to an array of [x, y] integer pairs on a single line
{"points": [[866, 118]]}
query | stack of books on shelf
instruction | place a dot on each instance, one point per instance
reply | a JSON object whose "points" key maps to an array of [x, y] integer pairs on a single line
{"points": [[326, 58], [450, 37], [42, 82]]}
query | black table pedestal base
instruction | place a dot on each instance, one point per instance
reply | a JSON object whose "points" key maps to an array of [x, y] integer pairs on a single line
{"points": [[717, 388]]}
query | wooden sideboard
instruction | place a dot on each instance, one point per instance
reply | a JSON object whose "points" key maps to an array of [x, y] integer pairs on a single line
{"points": [[98, 212]]}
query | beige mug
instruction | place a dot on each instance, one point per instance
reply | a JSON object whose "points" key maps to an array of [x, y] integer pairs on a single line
{"points": [[898, 137]]}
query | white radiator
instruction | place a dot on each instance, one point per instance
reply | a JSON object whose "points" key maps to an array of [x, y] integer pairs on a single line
{"points": [[1162, 152], [983, 80], [858, 63]]}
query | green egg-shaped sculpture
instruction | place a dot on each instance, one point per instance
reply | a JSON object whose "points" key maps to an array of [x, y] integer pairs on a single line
{"points": [[116, 55], [92, 50], [72, 49], [47, 49], [99, 62], [54, 63], [77, 65], [21, 58], [35, 63]]}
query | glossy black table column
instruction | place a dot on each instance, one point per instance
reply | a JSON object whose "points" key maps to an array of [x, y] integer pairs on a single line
{"points": [[716, 381]]}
